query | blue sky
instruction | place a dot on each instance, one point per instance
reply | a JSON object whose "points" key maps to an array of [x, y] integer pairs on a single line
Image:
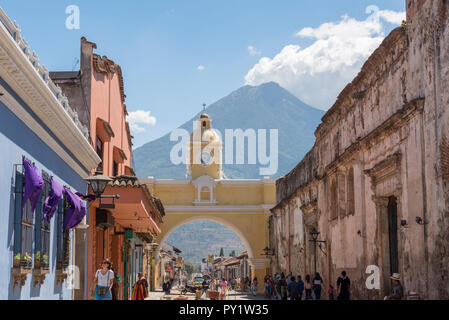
{"points": [[161, 44]]}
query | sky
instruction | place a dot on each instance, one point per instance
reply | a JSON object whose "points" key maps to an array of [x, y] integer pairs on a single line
{"points": [[176, 54]]}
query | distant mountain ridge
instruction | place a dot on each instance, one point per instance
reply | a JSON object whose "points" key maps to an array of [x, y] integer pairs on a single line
{"points": [[267, 106], [199, 238]]}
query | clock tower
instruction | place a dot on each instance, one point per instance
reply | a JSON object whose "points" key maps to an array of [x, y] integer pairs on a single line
{"points": [[204, 150]]}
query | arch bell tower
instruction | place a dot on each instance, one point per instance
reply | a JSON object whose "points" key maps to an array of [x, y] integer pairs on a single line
{"points": [[204, 150]]}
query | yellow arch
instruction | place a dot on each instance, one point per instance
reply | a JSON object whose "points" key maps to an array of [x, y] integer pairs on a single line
{"points": [[220, 220]]}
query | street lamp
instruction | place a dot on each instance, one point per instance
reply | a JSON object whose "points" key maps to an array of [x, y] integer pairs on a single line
{"points": [[268, 252], [314, 234], [98, 182]]}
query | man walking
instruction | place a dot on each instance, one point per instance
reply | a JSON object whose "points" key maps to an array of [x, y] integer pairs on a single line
{"points": [[343, 287], [293, 289]]}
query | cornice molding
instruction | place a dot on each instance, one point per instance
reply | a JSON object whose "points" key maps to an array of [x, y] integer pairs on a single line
{"points": [[30, 81]]}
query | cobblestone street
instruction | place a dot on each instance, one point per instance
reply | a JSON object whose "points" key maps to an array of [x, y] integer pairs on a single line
{"points": [[175, 293]]}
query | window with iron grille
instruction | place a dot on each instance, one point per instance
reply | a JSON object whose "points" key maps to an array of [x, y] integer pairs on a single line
{"points": [[42, 228], [63, 237], [23, 223]]}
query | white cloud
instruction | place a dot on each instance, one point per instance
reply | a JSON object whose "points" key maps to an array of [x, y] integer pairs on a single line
{"points": [[318, 73], [138, 118], [253, 51], [201, 68]]}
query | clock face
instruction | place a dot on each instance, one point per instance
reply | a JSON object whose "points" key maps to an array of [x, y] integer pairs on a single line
{"points": [[205, 158]]}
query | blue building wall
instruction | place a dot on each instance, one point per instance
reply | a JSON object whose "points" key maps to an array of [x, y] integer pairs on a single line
{"points": [[17, 140]]}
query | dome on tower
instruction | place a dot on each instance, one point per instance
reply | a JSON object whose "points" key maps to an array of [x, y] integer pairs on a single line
{"points": [[204, 115]]}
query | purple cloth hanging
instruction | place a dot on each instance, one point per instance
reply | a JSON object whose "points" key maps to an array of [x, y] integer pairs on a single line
{"points": [[53, 199], [33, 184], [76, 211]]}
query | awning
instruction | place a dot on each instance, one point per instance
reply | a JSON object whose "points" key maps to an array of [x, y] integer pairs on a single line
{"points": [[134, 210]]}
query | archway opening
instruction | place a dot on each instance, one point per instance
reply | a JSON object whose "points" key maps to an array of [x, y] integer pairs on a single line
{"points": [[204, 242]]}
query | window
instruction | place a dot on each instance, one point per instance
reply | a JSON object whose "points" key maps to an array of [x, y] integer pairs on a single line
{"points": [[205, 194], [42, 228], [63, 238], [23, 223], [99, 149], [351, 204], [333, 201], [114, 169], [341, 185]]}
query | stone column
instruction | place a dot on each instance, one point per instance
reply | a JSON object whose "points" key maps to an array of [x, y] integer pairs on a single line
{"points": [[258, 269]]}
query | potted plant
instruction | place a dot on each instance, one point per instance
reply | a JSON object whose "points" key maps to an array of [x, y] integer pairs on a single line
{"points": [[45, 261], [16, 261], [26, 260], [37, 260]]}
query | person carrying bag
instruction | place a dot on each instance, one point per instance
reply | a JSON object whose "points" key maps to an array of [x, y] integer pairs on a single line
{"points": [[104, 280]]}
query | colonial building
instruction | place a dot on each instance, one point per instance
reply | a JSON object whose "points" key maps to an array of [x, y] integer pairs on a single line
{"points": [[46, 154], [170, 264], [240, 204], [119, 229], [375, 185]]}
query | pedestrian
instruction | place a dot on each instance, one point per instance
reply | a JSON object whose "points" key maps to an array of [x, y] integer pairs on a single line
{"points": [[277, 287], [317, 284], [266, 284], [140, 288], [293, 289], [300, 287], [247, 283], [343, 287], [205, 286], [308, 288], [283, 288], [224, 288], [104, 280], [398, 290], [289, 278], [254, 286], [331, 292]]}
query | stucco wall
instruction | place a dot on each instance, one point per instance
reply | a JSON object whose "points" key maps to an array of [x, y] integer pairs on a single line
{"points": [[17, 140]]}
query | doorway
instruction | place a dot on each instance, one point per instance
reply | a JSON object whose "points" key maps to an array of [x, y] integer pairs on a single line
{"points": [[393, 234]]}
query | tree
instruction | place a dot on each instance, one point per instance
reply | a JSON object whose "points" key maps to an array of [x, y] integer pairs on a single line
{"points": [[189, 268], [232, 253], [221, 252]]}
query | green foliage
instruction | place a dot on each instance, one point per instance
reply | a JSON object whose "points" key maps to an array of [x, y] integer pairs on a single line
{"points": [[17, 256], [221, 252], [26, 257], [189, 268], [232, 254]]}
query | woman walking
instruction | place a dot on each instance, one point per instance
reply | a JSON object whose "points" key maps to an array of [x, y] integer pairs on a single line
{"points": [[308, 287], [140, 288], [104, 280], [317, 284]]}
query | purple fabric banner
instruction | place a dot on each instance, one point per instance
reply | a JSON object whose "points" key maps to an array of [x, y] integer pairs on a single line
{"points": [[76, 211], [53, 199], [33, 184]]}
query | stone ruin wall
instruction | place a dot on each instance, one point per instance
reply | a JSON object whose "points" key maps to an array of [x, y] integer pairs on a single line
{"points": [[396, 105]]}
